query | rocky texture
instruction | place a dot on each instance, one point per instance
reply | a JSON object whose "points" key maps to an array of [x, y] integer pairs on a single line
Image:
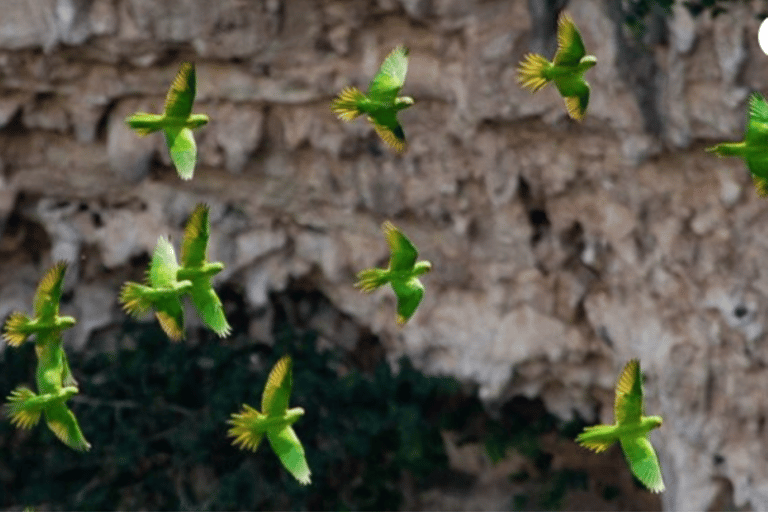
{"points": [[560, 250]]}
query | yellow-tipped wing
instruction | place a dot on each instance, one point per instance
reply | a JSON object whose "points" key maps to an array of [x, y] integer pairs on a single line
{"points": [[181, 95], [570, 47], [48, 294], [277, 391], [628, 407]]}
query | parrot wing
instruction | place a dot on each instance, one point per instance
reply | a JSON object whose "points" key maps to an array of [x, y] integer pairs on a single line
{"points": [[181, 95], [48, 294], [757, 126], [64, 425], [391, 76], [196, 235], [277, 391], [409, 293], [643, 461], [246, 429], [209, 307], [570, 47], [389, 128], [288, 448], [575, 92], [403, 253], [183, 150], [163, 267], [170, 314], [628, 407]]}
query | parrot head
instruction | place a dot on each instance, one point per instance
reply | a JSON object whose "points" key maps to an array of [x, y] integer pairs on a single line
{"points": [[587, 62], [403, 102], [197, 120], [65, 322], [422, 267], [653, 421]]}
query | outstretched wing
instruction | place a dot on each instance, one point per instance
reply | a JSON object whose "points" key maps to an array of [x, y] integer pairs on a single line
{"points": [[575, 92], [288, 448], [183, 150], [162, 269], [628, 406], [643, 461], [63, 424], [48, 294], [403, 252], [757, 126], [209, 307], [570, 47], [277, 391], [391, 76], [196, 235], [409, 293], [181, 95]]}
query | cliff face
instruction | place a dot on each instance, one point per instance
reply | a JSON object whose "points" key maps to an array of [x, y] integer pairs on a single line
{"points": [[560, 250]]}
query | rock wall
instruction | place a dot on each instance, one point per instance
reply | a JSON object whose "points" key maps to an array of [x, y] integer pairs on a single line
{"points": [[560, 250]]}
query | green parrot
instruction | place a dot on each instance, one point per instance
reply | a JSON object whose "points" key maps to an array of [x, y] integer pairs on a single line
{"points": [[54, 377], [754, 148], [382, 103], [275, 420], [403, 272], [196, 269], [630, 430], [47, 323], [567, 70], [163, 293], [177, 121]]}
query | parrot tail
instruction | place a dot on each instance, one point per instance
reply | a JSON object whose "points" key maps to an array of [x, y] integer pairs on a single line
{"points": [[371, 278], [346, 103], [134, 299], [17, 329], [23, 411], [144, 124], [243, 423], [530, 74], [598, 437]]}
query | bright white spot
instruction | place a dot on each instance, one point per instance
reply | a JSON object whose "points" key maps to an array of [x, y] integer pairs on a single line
{"points": [[762, 36]]}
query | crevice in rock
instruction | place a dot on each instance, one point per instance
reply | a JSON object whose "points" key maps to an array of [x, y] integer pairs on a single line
{"points": [[536, 210]]}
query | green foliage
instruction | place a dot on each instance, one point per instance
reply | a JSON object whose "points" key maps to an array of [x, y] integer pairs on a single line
{"points": [[157, 414]]}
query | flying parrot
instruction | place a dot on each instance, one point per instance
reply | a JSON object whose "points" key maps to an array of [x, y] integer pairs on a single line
{"points": [[177, 121], [163, 293], [566, 71], [630, 430], [275, 420], [382, 103], [754, 148], [47, 324], [55, 382], [196, 269], [403, 272]]}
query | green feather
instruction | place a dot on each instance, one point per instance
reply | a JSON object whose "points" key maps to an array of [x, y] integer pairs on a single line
{"points": [[381, 103], [402, 273], [754, 148], [631, 429], [250, 426], [566, 70], [177, 121]]}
